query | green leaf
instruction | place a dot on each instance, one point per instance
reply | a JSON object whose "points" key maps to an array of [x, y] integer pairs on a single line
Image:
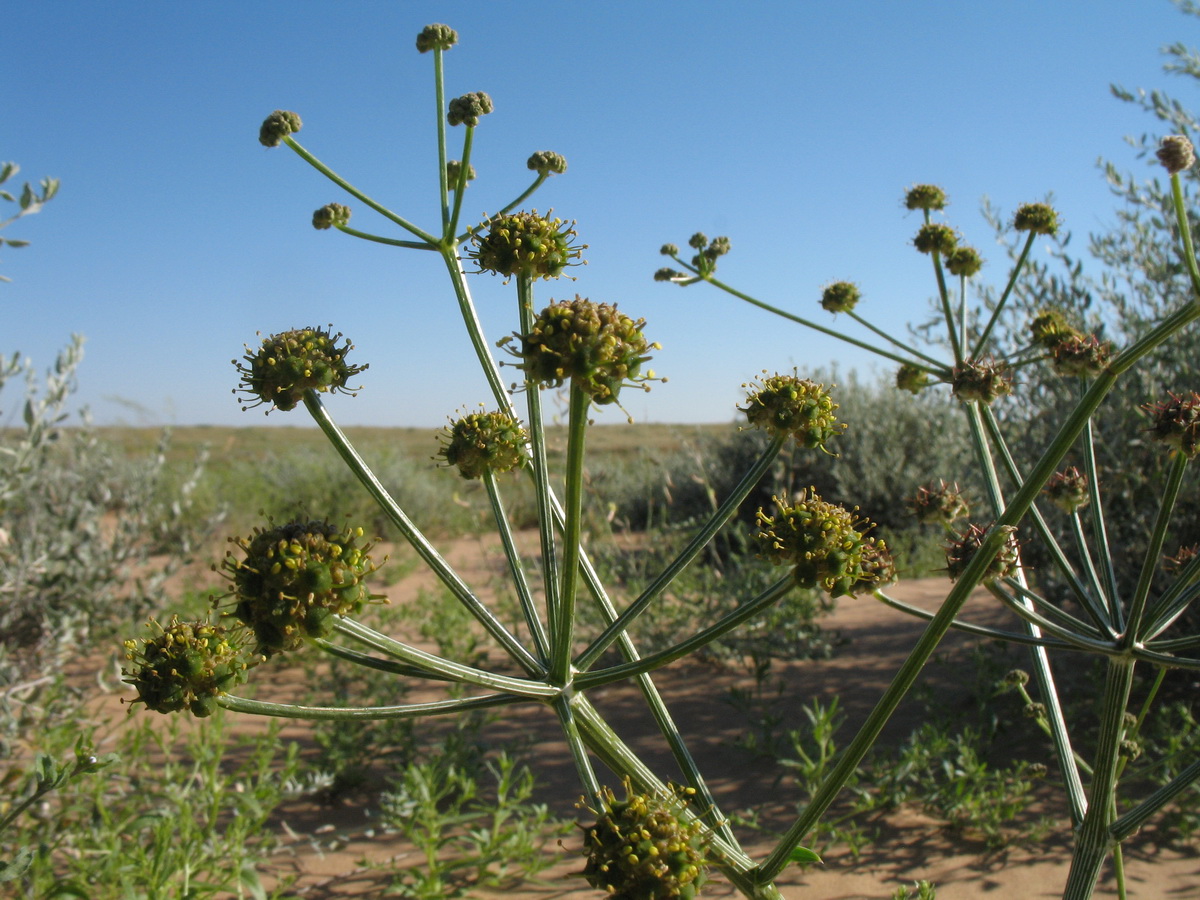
{"points": [[12, 869], [803, 856], [10, 169], [69, 889], [7, 196], [26, 196], [13, 243], [49, 188], [44, 766]]}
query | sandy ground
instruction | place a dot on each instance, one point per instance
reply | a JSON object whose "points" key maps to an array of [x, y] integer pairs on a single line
{"points": [[334, 853]]}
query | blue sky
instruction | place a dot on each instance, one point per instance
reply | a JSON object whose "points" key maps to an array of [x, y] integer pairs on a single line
{"points": [[792, 127]]}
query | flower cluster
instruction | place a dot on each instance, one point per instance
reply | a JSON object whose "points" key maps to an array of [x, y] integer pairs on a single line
{"points": [[841, 296], [547, 162], [1068, 490], [980, 381], [454, 169], [294, 578], [939, 504], [483, 442], [440, 37], [1082, 356], [277, 126], [592, 345], [467, 109], [925, 196], [187, 665], [934, 237], [290, 363], [788, 404], [1038, 218], [962, 550], [525, 243], [826, 544], [329, 215], [1177, 422], [912, 378], [641, 849]]}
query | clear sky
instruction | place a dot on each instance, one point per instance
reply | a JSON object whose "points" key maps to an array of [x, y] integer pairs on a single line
{"points": [[793, 127]]}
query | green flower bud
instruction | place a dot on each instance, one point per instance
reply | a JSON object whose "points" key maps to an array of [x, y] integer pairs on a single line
{"points": [[482, 442], [719, 246], [547, 162], [1068, 490], [912, 378], [294, 578], [669, 250], [1082, 356], [186, 665], [1049, 328], [277, 126], [939, 504], [525, 243], [454, 169], [935, 237], [962, 550], [592, 345], [1016, 677], [825, 543], [1177, 423], [641, 848], [788, 404], [329, 215], [1040, 218], [441, 37], [292, 362], [667, 274], [925, 196], [980, 380], [841, 296], [1176, 153], [698, 241], [964, 261], [467, 109]]}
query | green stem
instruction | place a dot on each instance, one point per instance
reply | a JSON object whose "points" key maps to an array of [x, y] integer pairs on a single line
{"points": [[404, 711], [355, 192], [563, 634], [380, 665], [520, 582], [1185, 234], [1014, 637], [391, 242], [483, 351], [537, 183], [415, 538], [1129, 823], [1012, 281], [461, 187], [1095, 841], [894, 341], [878, 351], [727, 623], [686, 556], [1153, 559], [1109, 595], [1040, 622], [1175, 599], [439, 96], [583, 765], [947, 312], [445, 667]]}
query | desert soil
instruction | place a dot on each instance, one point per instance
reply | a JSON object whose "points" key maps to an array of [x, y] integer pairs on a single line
{"points": [[334, 851]]}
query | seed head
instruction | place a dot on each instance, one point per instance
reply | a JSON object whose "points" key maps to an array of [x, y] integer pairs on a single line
{"points": [[467, 109], [1016, 678], [939, 504], [1068, 490], [980, 380], [1039, 218], [277, 126], [824, 542], [1083, 356], [1050, 328], [525, 243], [454, 169], [1177, 423], [788, 404], [640, 848], [547, 162], [441, 37], [1183, 556], [592, 345], [1176, 153], [934, 237], [480, 442], [925, 196], [290, 363], [841, 296], [293, 579], [962, 550], [186, 665], [912, 378], [964, 261], [329, 215]]}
